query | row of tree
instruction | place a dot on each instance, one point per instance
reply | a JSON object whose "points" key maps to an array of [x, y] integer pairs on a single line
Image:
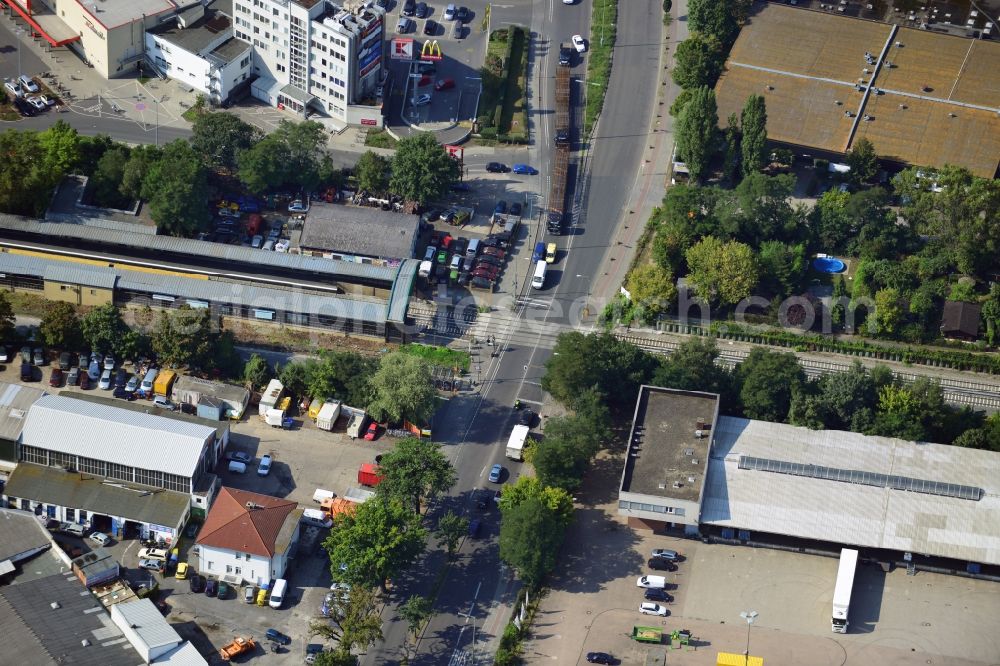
{"points": [[769, 386], [380, 540], [392, 388]]}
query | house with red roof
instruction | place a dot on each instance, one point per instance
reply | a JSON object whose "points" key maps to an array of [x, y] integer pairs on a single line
{"points": [[249, 536]]}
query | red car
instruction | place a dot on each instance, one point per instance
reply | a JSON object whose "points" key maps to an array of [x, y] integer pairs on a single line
{"points": [[372, 432], [424, 81], [488, 272], [446, 241], [444, 84], [494, 252]]}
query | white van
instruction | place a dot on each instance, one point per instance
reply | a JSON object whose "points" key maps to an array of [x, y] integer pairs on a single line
{"points": [[236, 467], [316, 518], [278, 593], [473, 248], [147, 381], [538, 280], [425, 268]]}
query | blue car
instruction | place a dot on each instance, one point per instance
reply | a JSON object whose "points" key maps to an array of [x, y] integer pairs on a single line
{"points": [[524, 169], [539, 253]]}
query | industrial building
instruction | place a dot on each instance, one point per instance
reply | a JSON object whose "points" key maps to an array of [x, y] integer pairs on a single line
{"points": [[755, 482], [921, 97], [211, 399], [360, 234], [15, 400], [136, 475]]}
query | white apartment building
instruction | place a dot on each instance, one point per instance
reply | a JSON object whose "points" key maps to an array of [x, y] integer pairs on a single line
{"points": [[316, 58]]}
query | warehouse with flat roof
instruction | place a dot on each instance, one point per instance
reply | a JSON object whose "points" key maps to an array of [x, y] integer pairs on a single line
{"points": [[764, 481], [921, 97]]}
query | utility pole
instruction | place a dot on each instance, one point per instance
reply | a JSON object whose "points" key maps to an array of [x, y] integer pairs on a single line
{"points": [[749, 616]]}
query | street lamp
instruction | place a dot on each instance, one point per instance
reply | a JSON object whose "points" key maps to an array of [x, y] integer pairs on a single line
{"points": [[749, 616]]}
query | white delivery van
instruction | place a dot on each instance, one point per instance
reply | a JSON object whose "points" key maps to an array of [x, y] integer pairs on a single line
{"points": [[274, 417], [316, 518], [425, 268], [236, 467], [278, 593], [147, 381], [538, 280]]}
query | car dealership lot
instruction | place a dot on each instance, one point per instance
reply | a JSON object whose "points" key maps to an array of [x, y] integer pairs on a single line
{"points": [[895, 618]]}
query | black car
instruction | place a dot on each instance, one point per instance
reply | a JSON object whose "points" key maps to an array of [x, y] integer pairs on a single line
{"points": [[211, 588], [600, 658], [462, 14], [65, 360], [427, 68], [659, 564], [656, 594], [277, 637], [565, 56], [492, 241], [421, 11], [430, 27], [121, 378], [526, 417], [497, 167], [460, 187], [500, 208], [515, 208], [481, 283], [409, 7], [27, 372], [197, 583]]}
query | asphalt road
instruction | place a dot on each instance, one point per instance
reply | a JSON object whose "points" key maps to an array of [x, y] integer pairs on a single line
{"points": [[473, 601]]}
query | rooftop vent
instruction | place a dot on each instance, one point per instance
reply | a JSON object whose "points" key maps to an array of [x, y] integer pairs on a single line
{"points": [[699, 433], [694, 461], [691, 479], [677, 484], [252, 505], [85, 643], [55, 605]]}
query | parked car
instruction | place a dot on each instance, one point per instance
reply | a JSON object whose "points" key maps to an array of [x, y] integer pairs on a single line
{"points": [[462, 14], [27, 372], [500, 208], [497, 167], [182, 571], [515, 208], [444, 84], [132, 384], [486, 271], [99, 538], [409, 7], [73, 377], [249, 594], [579, 44], [163, 403], [422, 10], [121, 378], [524, 169], [28, 83], [38, 356], [422, 100], [430, 27], [105, 382], [494, 252], [299, 206], [211, 587], [495, 473], [94, 371], [56, 378], [658, 564], [653, 594], [37, 103], [5, 354], [239, 456], [277, 637], [666, 554], [488, 260], [403, 26], [14, 89], [65, 360], [109, 362], [648, 608], [449, 12], [329, 604], [84, 381], [152, 565], [223, 589], [372, 432], [264, 466], [600, 658], [197, 583]]}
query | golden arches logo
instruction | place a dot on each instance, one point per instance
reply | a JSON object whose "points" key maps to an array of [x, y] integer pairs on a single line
{"points": [[431, 50]]}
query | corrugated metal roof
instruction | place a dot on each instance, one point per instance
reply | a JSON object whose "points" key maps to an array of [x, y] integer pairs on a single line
{"points": [[116, 435], [82, 274], [148, 622], [185, 655], [402, 288], [338, 269], [854, 513]]}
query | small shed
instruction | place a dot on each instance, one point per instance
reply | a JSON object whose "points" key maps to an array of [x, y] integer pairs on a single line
{"points": [[960, 320], [96, 567], [212, 408], [192, 390]]}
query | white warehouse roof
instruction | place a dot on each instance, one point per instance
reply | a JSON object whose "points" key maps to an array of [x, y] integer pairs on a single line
{"points": [[849, 488], [115, 435]]}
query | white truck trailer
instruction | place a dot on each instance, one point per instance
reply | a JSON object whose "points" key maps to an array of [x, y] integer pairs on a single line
{"points": [[515, 445], [328, 415], [842, 591]]}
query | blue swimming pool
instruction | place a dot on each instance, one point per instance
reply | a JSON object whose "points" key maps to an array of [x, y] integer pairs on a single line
{"points": [[829, 265]]}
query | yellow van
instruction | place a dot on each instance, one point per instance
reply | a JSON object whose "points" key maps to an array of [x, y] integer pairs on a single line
{"points": [[314, 407], [550, 253]]}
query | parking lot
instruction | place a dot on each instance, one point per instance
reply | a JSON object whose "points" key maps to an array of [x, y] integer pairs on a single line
{"points": [[895, 618], [305, 458]]}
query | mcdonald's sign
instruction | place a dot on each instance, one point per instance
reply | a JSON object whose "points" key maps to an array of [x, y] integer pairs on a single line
{"points": [[431, 50]]}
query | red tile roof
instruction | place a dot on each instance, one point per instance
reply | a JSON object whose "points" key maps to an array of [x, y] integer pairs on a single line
{"points": [[245, 522]]}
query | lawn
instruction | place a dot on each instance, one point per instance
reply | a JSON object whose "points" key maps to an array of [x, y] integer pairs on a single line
{"points": [[439, 356], [603, 28], [379, 139]]}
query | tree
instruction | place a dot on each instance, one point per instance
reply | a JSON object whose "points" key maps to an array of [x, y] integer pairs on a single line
{"points": [[91, 149], [766, 380], [257, 373], [184, 336], [878, 235], [721, 272], [308, 162], [375, 542], [33, 164], [580, 362], [830, 223], [342, 375], [652, 288], [402, 389], [7, 318], [354, 624], [60, 145], [732, 167], [219, 137], [863, 161], [414, 472], [556, 500], [107, 178], [264, 165], [888, 314], [295, 376], [416, 610], [559, 463], [759, 210], [451, 528], [105, 330], [991, 315], [176, 188], [718, 18], [421, 169], [140, 161], [530, 537], [782, 266], [692, 367], [372, 172], [697, 127], [754, 144], [698, 60], [339, 657], [60, 326]]}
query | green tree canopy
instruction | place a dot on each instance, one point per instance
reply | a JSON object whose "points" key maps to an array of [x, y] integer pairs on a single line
{"points": [[140, 161], [530, 537], [402, 389], [257, 373], [264, 165], [375, 543], [766, 381], [415, 611], [7, 318], [184, 337], [692, 367], [60, 326], [219, 137], [176, 187], [107, 178], [415, 471], [106, 331], [863, 161], [450, 530], [556, 500], [782, 267], [718, 18], [652, 288], [341, 375], [721, 272], [753, 147], [698, 61], [696, 131], [421, 168], [580, 362], [372, 172], [354, 624]]}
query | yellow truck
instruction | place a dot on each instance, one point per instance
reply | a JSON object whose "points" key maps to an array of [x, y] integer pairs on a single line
{"points": [[164, 382]]}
